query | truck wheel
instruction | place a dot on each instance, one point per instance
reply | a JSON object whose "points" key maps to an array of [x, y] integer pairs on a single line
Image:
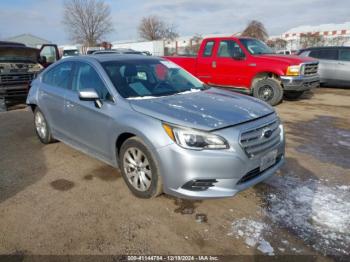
{"points": [[42, 128], [293, 95], [139, 169], [268, 90]]}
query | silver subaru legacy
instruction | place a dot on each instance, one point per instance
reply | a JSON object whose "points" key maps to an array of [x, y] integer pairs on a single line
{"points": [[166, 130]]}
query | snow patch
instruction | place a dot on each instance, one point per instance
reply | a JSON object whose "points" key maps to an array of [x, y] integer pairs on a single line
{"points": [[317, 213], [252, 231]]}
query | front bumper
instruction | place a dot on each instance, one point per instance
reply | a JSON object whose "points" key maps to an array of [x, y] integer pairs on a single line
{"points": [[179, 167], [300, 83]]}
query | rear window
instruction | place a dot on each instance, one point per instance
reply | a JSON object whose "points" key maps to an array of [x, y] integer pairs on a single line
{"points": [[208, 49], [326, 54]]}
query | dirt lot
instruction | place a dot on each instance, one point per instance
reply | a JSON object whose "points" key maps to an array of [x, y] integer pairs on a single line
{"points": [[56, 200]]}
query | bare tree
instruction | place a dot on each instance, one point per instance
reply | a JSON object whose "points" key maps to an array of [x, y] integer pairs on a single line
{"points": [[257, 30], [154, 28], [87, 21], [277, 44]]}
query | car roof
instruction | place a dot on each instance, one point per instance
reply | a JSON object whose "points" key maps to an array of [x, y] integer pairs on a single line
{"points": [[323, 48], [229, 37], [114, 57]]}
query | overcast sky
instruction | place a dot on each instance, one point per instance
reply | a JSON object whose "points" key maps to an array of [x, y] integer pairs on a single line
{"points": [[43, 17]]}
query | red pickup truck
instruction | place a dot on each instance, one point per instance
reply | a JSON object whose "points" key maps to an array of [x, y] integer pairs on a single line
{"points": [[250, 66]]}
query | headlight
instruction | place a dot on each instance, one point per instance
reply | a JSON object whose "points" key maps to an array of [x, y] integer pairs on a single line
{"points": [[293, 70], [196, 140]]}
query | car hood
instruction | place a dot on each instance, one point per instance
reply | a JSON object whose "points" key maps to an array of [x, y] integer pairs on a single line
{"points": [[206, 110], [18, 53], [288, 59]]}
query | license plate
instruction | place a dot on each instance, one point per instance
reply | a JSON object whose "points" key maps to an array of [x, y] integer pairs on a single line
{"points": [[268, 160]]}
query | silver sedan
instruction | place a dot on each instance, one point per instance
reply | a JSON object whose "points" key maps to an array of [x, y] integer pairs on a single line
{"points": [[165, 129]]}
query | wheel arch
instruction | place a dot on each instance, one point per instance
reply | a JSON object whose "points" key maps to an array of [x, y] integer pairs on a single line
{"points": [[121, 139], [32, 107], [264, 75]]}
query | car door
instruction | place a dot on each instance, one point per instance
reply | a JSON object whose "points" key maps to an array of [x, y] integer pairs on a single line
{"points": [[87, 125], [205, 62], [54, 84], [343, 66], [49, 54], [228, 71], [327, 67]]}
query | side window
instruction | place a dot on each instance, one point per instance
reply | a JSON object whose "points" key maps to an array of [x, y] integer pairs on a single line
{"points": [[328, 54], [315, 54], [59, 76], [229, 48], [86, 77], [208, 49], [344, 55]]}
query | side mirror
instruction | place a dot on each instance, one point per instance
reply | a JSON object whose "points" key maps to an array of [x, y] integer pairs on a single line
{"points": [[90, 95], [42, 60], [238, 55]]}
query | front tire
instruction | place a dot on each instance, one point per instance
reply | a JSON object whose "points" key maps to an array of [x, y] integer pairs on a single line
{"points": [[293, 95], [268, 90], [139, 169], [42, 127]]}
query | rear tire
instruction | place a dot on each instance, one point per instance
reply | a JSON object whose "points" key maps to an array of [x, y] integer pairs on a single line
{"points": [[42, 127], [269, 90], [293, 95], [139, 169]]}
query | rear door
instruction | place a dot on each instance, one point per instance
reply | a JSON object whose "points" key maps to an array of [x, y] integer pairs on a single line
{"points": [[55, 83], [87, 125], [328, 62], [343, 66], [205, 62]]}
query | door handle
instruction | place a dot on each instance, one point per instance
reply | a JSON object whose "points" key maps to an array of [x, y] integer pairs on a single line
{"points": [[213, 64]]}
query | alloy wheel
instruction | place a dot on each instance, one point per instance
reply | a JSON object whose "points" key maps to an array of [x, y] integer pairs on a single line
{"points": [[40, 125], [137, 169]]}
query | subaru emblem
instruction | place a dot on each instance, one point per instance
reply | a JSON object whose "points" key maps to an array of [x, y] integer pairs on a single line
{"points": [[267, 133]]}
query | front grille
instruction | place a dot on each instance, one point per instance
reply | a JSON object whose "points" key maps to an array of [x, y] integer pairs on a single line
{"points": [[256, 172], [15, 78], [310, 69], [261, 139]]}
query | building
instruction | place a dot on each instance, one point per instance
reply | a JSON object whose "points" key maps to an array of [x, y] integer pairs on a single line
{"points": [[331, 35], [29, 40]]}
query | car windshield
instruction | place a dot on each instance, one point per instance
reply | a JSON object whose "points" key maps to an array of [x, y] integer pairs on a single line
{"points": [[256, 47], [150, 78]]}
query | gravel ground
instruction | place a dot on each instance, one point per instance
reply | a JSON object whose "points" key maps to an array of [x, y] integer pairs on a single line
{"points": [[56, 200]]}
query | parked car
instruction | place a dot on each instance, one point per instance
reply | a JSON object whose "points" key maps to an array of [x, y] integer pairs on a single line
{"points": [[248, 65], [69, 51], [118, 51], [18, 66], [165, 129], [284, 52], [334, 67]]}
